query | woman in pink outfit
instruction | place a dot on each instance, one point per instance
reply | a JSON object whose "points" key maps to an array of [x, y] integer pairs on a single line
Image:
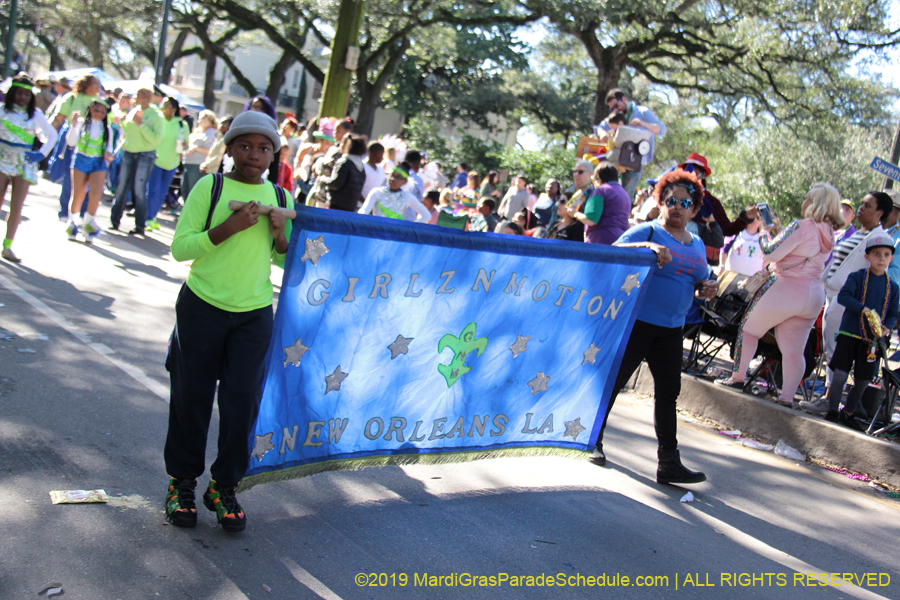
{"points": [[792, 298]]}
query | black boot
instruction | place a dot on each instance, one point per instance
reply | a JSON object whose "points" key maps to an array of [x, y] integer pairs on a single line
{"points": [[671, 470], [598, 458]]}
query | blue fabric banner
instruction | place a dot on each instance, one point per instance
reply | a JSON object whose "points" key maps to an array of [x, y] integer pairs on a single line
{"points": [[397, 342]]}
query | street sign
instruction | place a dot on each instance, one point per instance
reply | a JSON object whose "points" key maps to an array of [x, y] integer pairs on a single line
{"points": [[886, 168]]}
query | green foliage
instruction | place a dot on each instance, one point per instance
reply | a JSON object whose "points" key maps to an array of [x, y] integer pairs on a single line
{"points": [[480, 155], [424, 134], [539, 166], [778, 166], [455, 73]]}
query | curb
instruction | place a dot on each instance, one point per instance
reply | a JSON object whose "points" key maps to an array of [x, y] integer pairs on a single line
{"points": [[812, 436]]}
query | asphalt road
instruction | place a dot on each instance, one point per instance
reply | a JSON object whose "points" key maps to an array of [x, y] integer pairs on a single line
{"points": [[83, 406]]}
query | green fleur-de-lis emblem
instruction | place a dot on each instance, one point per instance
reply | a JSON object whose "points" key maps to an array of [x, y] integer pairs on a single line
{"points": [[462, 347]]}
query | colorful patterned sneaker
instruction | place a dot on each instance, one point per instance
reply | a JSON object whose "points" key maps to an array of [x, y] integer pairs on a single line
{"points": [[152, 225], [181, 510], [72, 230], [223, 502]]}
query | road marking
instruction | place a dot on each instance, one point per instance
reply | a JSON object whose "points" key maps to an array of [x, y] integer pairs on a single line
{"points": [[103, 350], [304, 577], [788, 561]]}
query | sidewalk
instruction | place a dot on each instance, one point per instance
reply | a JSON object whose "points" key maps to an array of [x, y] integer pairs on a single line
{"points": [[813, 436]]}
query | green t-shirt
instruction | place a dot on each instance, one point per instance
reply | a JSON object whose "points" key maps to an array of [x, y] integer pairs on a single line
{"points": [[73, 104], [234, 275], [166, 155], [146, 136], [593, 208]]}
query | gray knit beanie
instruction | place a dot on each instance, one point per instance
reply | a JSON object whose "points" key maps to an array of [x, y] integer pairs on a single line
{"points": [[254, 122]]}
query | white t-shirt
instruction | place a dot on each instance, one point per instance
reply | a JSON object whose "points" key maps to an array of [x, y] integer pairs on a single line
{"points": [[745, 256], [375, 178]]}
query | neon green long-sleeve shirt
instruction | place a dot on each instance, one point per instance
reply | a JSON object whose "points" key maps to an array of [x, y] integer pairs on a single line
{"points": [[234, 275], [146, 136]]}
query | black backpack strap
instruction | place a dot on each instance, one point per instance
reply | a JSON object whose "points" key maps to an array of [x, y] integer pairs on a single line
{"points": [[650, 237], [218, 182], [281, 195]]}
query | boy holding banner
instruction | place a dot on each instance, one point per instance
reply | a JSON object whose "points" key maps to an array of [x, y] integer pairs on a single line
{"points": [[223, 321]]}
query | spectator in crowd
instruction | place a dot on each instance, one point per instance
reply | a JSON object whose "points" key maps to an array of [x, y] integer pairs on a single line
{"points": [[791, 300], [215, 158], [892, 228], [375, 175], [606, 210], [392, 200], [168, 157], [848, 257], [44, 95], [704, 226], [566, 226], [431, 201], [849, 213], [415, 185], [432, 176], [488, 187], [515, 200], [509, 228], [583, 185], [697, 164], [487, 219], [467, 195], [866, 292], [87, 88], [459, 181], [346, 181], [742, 254], [61, 87], [545, 207], [289, 129], [185, 115], [18, 162], [656, 335], [333, 132], [200, 142], [635, 116], [532, 196], [285, 173], [143, 132], [446, 202], [262, 104]]}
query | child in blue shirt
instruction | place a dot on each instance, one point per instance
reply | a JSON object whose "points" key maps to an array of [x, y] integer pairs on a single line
{"points": [[865, 291]]}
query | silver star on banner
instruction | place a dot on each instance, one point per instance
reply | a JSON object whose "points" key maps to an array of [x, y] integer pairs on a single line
{"points": [[293, 353], [590, 355], [521, 345], [573, 428], [315, 249], [263, 445], [631, 282], [333, 381], [400, 346], [539, 383]]}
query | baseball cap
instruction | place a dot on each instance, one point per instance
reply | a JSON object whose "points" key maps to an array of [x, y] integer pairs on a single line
{"points": [[879, 241]]}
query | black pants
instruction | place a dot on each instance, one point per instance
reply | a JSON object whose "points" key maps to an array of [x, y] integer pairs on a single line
{"points": [[661, 347], [209, 345]]}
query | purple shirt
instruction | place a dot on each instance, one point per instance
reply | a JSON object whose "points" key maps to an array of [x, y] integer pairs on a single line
{"points": [[614, 219]]}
